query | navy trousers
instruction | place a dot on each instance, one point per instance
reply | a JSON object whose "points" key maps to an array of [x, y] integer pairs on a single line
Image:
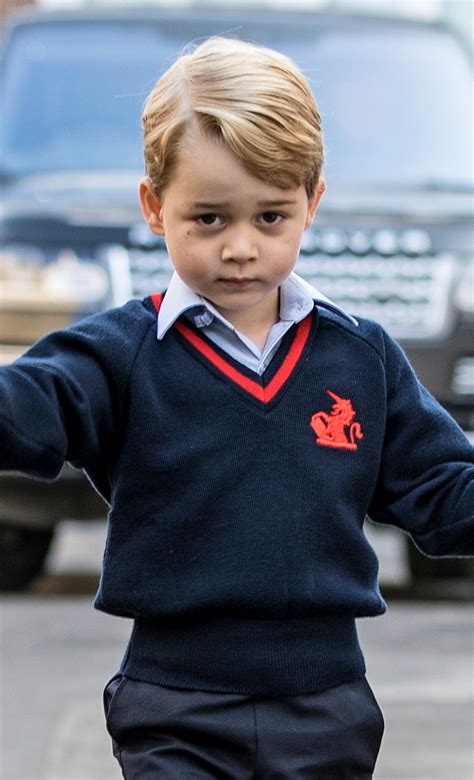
{"points": [[161, 733]]}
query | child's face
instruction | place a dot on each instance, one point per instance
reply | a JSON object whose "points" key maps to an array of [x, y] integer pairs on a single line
{"points": [[231, 237]]}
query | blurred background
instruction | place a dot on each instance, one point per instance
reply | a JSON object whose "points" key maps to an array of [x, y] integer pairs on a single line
{"points": [[392, 241]]}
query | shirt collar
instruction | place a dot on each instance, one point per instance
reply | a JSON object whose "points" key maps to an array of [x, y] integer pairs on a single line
{"points": [[306, 290], [297, 298]]}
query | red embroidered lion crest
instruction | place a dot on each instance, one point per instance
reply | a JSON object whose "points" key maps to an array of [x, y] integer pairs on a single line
{"points": [[330, 429]]}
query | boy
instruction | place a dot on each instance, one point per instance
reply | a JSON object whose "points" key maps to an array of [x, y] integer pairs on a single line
{"points": [[241, 427]]}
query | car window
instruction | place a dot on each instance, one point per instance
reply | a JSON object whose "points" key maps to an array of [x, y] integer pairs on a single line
{"points": [[73, 96], [395, 105], [395, 108]]}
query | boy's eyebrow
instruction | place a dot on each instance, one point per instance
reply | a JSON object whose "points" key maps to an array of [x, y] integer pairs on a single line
{"points": [[283, 202], [198, 204]]}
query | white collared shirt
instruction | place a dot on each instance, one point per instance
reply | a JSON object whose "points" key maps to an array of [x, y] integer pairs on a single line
{"points": [[297, 299]]}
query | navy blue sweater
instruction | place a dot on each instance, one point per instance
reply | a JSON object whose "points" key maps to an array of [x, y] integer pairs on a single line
{"points": [[237, 502]]}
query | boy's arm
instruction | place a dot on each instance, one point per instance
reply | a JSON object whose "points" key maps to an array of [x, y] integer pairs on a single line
{"points": [[62, 400], [426, 479]]}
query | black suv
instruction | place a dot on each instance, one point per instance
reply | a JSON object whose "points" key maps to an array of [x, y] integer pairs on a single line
{"points": [[392, 237]]}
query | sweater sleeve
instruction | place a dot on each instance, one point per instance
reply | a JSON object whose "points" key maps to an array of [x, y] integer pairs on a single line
{"points": [[426, 479], [61, 400]]}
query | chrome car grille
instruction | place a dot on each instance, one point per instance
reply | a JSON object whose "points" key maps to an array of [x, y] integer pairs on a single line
{"points": [[409, 296]]}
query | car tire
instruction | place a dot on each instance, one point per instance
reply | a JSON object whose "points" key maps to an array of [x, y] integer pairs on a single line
{"points": [[22, 554]]}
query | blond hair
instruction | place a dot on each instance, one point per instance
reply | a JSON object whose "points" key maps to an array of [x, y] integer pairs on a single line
{"points": [[252, 99]]}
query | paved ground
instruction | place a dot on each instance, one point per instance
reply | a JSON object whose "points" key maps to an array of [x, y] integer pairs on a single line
{"points": [[57, 654]]}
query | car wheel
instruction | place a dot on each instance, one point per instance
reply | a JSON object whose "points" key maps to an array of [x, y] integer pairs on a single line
{"points": [[22, 554], [423, 568]]}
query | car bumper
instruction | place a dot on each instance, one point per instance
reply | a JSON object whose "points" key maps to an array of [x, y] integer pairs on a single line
{"points": [[40, 504]]}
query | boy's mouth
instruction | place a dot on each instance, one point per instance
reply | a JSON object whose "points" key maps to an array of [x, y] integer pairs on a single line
{"points": [[237, 282]]}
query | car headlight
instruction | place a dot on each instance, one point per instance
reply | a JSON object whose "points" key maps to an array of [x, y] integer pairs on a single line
{"points": [[464, 292], [65, 284], [37, 297]]}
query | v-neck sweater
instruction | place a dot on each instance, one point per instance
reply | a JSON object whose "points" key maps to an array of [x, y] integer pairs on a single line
{"points": [[296, 299], [237, 501]]}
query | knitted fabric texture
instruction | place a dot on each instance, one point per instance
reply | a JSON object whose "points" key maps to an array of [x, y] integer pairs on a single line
{"points": [[237, 501]]}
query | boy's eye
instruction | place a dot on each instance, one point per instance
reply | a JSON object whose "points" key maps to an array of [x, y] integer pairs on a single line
{"points": [[209, 219], [271, 217]]}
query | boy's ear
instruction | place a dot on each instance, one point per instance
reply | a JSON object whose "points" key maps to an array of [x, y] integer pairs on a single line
{"points": [[314, 202], [151, 206]]}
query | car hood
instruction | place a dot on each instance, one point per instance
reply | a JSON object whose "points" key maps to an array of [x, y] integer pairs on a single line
{"points": [[416, 204], [87, 198], [111, 198]]}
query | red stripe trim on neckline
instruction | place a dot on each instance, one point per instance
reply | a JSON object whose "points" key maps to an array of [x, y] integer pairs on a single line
{"points": [[157, 300], [291, 359], [247, 384], [264, 394]]}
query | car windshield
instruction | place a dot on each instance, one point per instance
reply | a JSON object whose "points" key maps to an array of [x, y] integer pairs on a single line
{"points": [[395, 105]]}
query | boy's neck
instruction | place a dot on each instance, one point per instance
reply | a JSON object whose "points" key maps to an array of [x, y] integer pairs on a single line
{"points": [[256, 323]]}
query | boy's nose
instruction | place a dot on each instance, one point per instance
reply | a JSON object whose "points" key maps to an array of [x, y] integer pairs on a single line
{"points": [[240, 247]]}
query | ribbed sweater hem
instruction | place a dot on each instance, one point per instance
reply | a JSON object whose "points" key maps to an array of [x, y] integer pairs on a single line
{"points": [[246, 656]]}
